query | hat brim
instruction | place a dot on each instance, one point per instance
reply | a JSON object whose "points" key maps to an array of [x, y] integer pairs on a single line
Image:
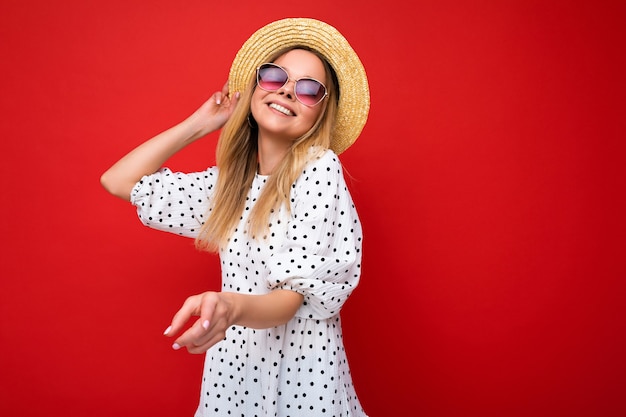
{"points": [[354, 98]]}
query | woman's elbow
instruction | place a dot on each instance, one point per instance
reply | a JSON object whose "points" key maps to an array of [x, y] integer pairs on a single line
{"points": [[116, 188]]}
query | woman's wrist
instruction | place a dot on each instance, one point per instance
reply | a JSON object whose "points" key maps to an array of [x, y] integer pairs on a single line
{"points": [[262, 311]]}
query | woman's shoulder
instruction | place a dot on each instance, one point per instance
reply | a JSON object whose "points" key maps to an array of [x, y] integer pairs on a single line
{"points": [[323, 166], [323, 157]]}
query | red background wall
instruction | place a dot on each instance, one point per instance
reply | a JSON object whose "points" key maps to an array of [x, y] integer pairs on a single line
{"points": [[489, 179]]}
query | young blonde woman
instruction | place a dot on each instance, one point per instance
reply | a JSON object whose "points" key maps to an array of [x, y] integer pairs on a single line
{"points": [[277, 209]]}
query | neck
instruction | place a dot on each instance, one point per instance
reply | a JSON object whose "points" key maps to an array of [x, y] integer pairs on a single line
{"points": [[271, 152]]}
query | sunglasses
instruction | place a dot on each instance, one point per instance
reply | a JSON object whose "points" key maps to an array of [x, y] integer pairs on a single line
{"points": [[272, 77]]}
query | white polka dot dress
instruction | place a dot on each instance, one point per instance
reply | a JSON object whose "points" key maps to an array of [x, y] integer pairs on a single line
{"points": [[299, 368]]}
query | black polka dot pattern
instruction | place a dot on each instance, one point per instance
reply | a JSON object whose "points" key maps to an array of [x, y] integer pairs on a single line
{"points": [[300, 368]]}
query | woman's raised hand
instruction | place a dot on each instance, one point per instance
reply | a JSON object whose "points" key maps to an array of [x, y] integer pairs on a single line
{"points": [[148, 157], [214, 113]]}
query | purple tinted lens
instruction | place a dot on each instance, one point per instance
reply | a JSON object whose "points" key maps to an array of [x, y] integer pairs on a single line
{"points": [[309, 91], [271, 78]]}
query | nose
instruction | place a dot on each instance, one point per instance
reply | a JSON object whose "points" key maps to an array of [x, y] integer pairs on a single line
{"points": [[287, 89]]}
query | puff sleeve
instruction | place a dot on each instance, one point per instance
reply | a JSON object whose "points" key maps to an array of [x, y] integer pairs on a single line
{"points": [[320, 256], [174, 202]]}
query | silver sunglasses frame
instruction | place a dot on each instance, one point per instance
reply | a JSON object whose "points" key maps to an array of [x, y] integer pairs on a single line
{"points": [[258, 83]]}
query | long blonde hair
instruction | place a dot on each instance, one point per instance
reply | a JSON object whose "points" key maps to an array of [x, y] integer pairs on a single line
{"points": [[237, 159]]}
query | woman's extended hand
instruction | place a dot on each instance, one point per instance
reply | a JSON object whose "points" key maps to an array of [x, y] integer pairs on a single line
{"points": [[215, 312], [220, 310]]}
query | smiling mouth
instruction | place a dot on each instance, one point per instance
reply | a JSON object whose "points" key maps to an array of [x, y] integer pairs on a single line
{"points": [[281, 109]]}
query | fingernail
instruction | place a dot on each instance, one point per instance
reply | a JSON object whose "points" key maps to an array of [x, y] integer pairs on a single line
{"points": [[218, 100], [205, 324], [167, 330], [175, 346], [237, 94]]}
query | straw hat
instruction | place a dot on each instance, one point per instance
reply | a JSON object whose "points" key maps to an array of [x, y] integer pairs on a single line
{"points": [[354, 99]]}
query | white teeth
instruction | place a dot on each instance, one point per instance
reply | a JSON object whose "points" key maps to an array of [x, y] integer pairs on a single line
{"points": [[281, 109]]}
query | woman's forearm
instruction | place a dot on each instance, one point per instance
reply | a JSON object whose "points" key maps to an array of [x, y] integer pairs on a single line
{"points": [[145, 159], [264, 311]]}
